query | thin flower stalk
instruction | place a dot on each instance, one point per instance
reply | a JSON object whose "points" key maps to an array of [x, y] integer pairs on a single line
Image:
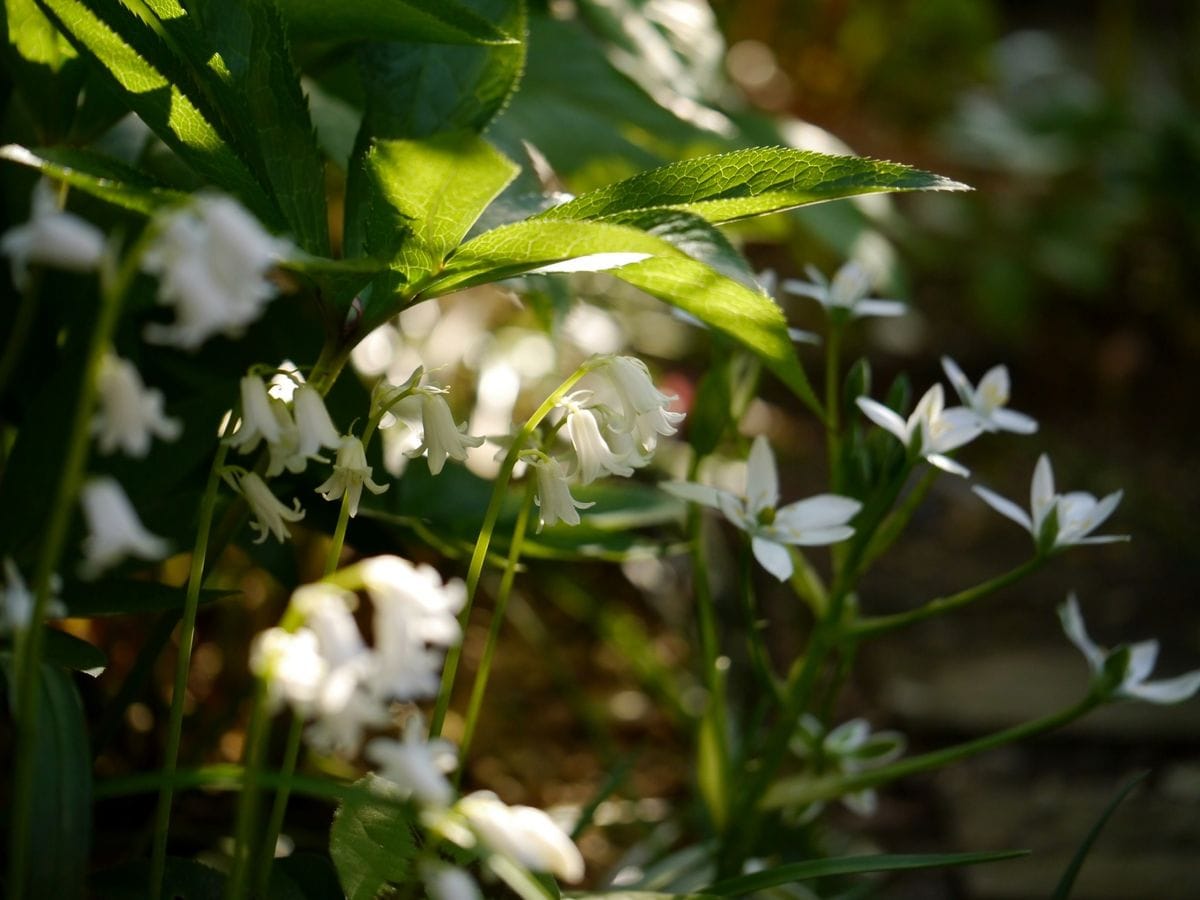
{"points": [[30, 648], [483, 542]]}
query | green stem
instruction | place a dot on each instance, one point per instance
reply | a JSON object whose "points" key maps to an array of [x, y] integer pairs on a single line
{"points": [[801, 790], [493, 638], [18, 338], [759, 658], [833, 405], [247, 811], [875, 626], [894, 523], [187, 633], [483, 542], [30, 643]]}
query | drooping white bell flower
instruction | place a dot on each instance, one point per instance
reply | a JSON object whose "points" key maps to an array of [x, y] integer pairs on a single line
{"points": [[553, 495], [1076, 515], [258, 421], [846, 294], [939, 430], [114, 529], [593, 455], [442, 439], [292, 665], [350, 474], [212, 258], [989, 401], [129, 414], [415, 765], [314, 427], [816, 521], [444, 882], [522, 833], [1139, 663], [269, 513], [16, 600], [645, 406], [51, 237]]}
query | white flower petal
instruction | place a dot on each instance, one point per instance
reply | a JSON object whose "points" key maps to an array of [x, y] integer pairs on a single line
{"points": [[762, 477], [885, 418], [693, 493], [1005, 507], [774, 557], [1011, 420], [946, 464], [1167, 690], [821, 511], [1076, 631]]}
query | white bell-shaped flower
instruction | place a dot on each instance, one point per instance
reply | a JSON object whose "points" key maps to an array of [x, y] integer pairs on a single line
{"points": [[114, 529], [442, 439], [258, 421], [444, 882], [522, 833], [16, 600], [129, 414], [314, 427], [593, 455], [270, 515], [415, 765], [350, 474], [292, 665], [553, 495], [51, 237]]}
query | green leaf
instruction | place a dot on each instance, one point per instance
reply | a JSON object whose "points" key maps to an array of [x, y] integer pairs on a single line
{"points": [[1063, 889], [156, 86], [728, 186], [694, 236], [711, 415], [69, 652], [372, 845], [44, 67], [100, 176], [853, 865], [749, 317], [115, 597], [268, 111], [434, 21], [438, 186], [61, 816]]}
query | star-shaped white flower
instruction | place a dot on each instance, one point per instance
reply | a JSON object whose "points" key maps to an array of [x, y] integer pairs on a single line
{"points": [[989, 400], [846, 294], [816, 521], [129, 414], [1139, 663], [931, 431], [847, 749], [1076, 515]]}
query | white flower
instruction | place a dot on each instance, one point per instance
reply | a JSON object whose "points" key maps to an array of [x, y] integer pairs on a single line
{"points": [[269, 513], [846, 294], [417, 766], [553, 494], [344, 709], [848, 749], [212, 258], [114, 529], [1076, 515], [645, 406], [1138, 663], [939, 430], [441, 438], [413, 610], [816, 521], [523, 834], [350, 474], [129, 414], [449, 883], [16, 600], [989, 400], [258, 421], [592, 454], [292, 664], [326, 610], [51, 237], [313, 424]]}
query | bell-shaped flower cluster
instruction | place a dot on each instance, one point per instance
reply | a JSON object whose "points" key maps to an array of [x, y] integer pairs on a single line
{"points": [[325, 670], [609, 433], [819, 520], [212, 258], [52, 238], [129, 415], [423, 408]]}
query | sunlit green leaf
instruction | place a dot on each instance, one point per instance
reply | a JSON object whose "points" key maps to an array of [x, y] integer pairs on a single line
{"points": [[101, 177], [44, 67], [729, 186], [372, 845], [435, 21]]}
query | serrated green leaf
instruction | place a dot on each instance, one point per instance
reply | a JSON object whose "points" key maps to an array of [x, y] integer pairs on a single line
{"points": [[693, 235], [61, 815], [101, 177], [853, 865], [268, 111], [438, 186], [750, 318], [44, 67], [372, 845], [725, 187], [433, 21], [155, 84]]}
